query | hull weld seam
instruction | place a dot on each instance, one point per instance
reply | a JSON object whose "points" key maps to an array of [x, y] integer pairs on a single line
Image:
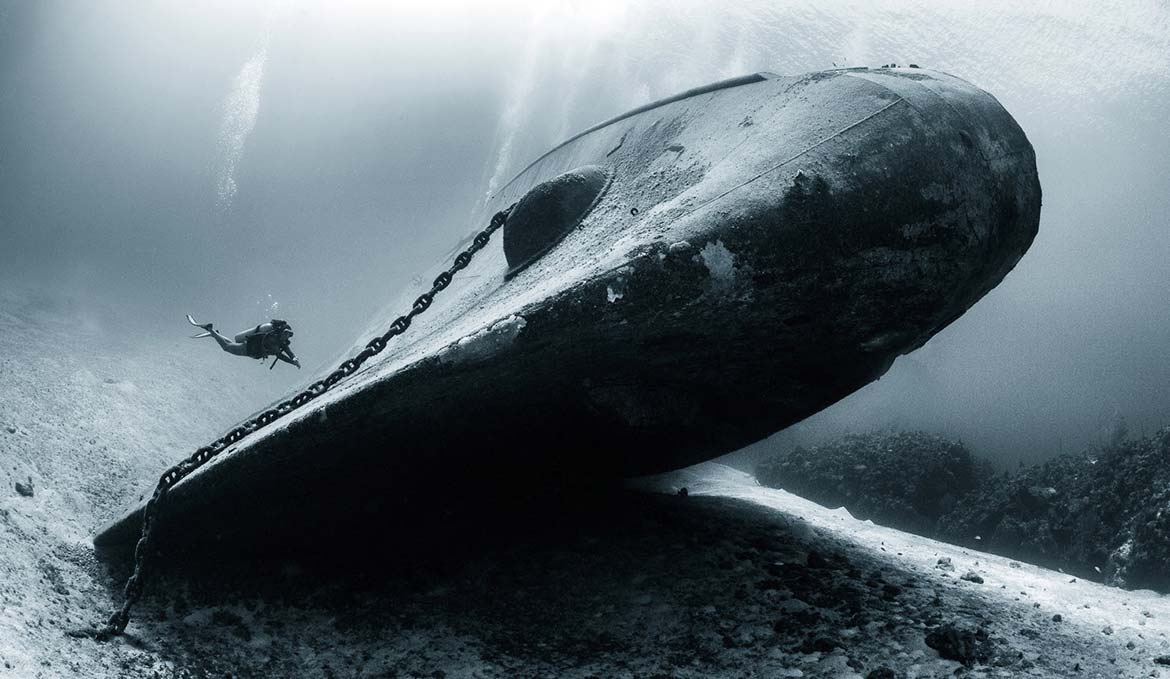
{"points": [[788, 160]]}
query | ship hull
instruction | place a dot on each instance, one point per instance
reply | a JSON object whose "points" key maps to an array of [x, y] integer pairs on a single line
{"points": [[765, 248]]}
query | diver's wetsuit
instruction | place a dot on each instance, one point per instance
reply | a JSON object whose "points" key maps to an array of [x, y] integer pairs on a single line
{"points": [[260, 342]]}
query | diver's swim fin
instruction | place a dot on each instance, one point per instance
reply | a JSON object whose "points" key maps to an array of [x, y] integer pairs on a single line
{"points": [[205, 326]]}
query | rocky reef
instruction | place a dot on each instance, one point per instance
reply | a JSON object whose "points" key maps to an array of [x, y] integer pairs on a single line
{"points": [[904, 480], [1102, 514]]}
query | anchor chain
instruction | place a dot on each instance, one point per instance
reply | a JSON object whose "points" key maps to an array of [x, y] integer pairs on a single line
{"points": [[117, 622]]}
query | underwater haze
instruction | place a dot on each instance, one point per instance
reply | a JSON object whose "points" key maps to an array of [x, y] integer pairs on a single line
{"points": [[240, 161]]}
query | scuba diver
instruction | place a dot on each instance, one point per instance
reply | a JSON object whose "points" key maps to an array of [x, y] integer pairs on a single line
{"points": [[266, 339]]}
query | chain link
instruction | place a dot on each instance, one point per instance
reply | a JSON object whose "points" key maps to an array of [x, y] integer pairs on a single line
{"points": [[117, 622]]}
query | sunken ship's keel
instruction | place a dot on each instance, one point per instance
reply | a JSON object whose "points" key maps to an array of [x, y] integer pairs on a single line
{"points": [[754, 252]]}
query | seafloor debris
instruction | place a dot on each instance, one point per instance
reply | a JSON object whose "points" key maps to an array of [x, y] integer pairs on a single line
{"points": [[25, 488], [957, 643]]}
